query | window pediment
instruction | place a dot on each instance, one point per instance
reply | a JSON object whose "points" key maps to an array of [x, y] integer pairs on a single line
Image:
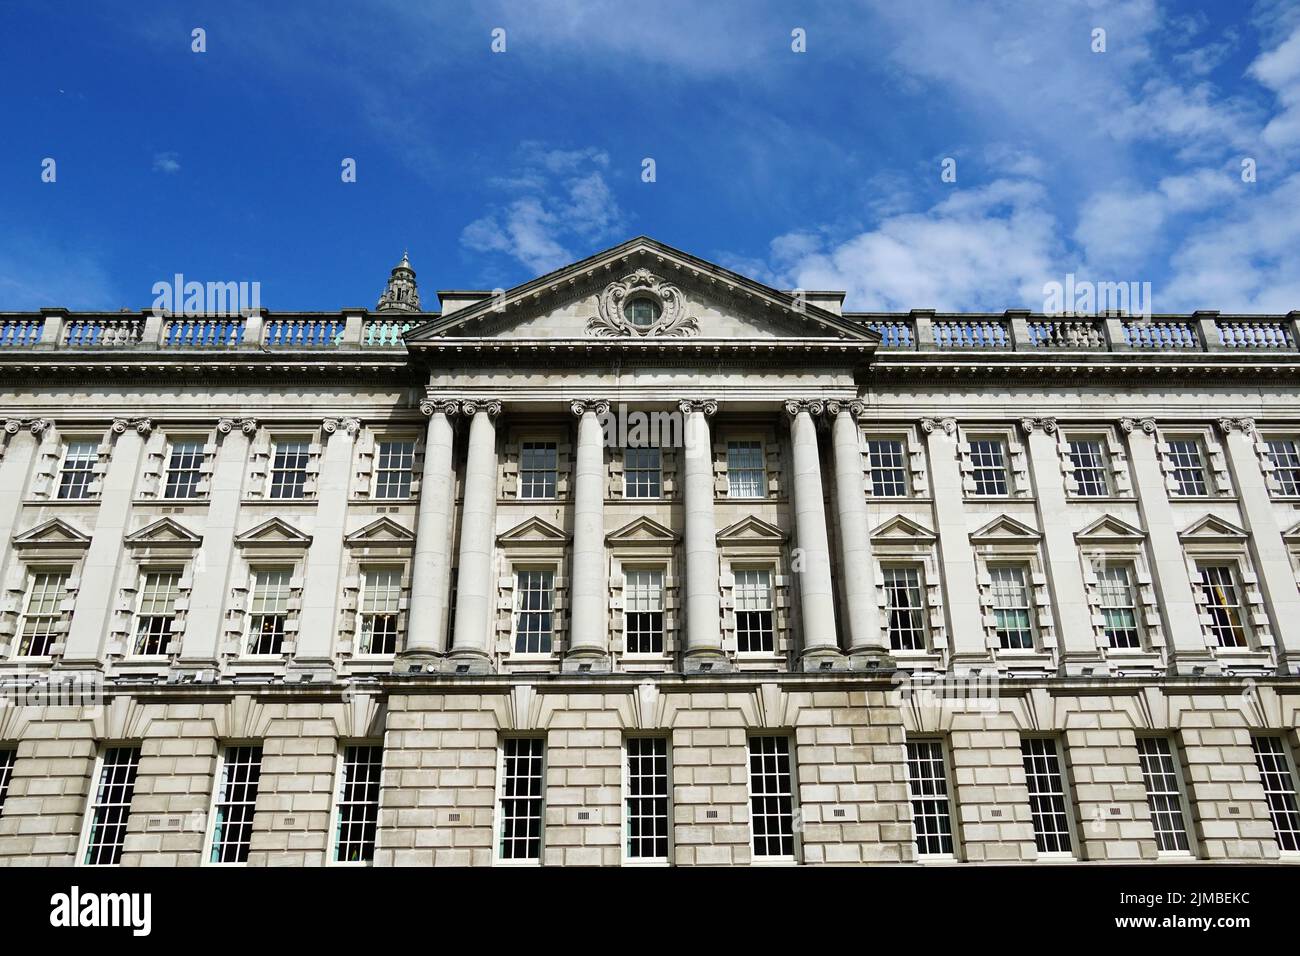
{"points": [[751, 530], [902, 530], [534, 531], [642, 531], [1212, 528], [163, 533], [1005, 529], [54, 533], [380, 533], [273, 533], [1109, 530]]}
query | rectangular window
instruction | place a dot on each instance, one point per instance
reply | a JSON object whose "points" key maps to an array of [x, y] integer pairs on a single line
{"points": [[1091, 471], [381, 600], [42, 618], [988, 458], [1164, 796], [647, 798], [1218, 586], [7, 758], [927, 781], [642, 473], [538, 461], [357, 815], [78, 469], [289, 468], [753, 598], [269, 612], [1118, 607], [184, 468], [1286, 465], [534, 616], [905, 609], [1187, 464], [643, 611], [394, 464], [746, 472], [888, 464], [1011, 608], [771, 796], [159, 592], [521, 798], [1048, 805], [232, 828], [111, 807], [1278, 777]]}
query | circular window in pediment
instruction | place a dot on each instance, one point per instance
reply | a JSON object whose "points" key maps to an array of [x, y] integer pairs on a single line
{"points": [[642, 312]]}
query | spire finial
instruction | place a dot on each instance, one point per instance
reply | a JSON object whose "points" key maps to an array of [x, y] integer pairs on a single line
{"points": [[401, 294]]}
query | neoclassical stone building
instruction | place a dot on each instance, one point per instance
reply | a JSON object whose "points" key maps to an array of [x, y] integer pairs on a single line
{"points": [[644, 562]]}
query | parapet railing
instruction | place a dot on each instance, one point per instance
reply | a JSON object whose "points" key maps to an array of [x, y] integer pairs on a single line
{"points": [[923, 330], [57, 329]]}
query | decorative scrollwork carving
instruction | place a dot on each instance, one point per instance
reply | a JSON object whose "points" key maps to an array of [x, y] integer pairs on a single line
{"points": [[947, 425], [1245, 425], [612, 322], [706, 405], [1147, 425], [580, 407]]}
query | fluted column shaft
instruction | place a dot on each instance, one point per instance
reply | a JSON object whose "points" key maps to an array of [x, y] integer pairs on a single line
{"points": [[813, 567], [474, 590], [589, 630], [426, 633]]}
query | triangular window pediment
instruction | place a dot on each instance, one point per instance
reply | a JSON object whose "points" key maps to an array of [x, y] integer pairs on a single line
{"points": [[275, 532], [1213, 528], [381, 531], [533, 531], [901, 528], [1292, 534], [1004, 528], [54, 533], [749, 530], [1109, 528], [163, 533], [641, 531]]}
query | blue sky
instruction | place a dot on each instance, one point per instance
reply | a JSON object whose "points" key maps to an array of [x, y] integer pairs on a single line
{"points": [[816, 170]]}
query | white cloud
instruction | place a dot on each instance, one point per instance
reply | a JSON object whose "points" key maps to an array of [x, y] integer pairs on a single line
{"points": [[1279, 71], [564, 199], [167, 163]]}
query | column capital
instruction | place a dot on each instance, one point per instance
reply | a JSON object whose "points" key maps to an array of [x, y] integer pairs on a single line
{"points": [[13, 426], [1130, 425], [445, 406], [246, 425], [853, 408], [350, 425], [1048, 425], [708, 406], [470, 407], [1244, 425], [142, 426], [795, 406], [580, 407], [39, 426], [947, 425]]}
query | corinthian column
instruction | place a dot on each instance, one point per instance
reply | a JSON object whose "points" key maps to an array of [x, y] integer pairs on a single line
{"points": [[866, 643], [589, 629], [471, 647], [813, 568], [703, 606], [430, 571]]}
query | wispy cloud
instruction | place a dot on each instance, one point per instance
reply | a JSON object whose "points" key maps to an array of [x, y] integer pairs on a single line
{"points": [[558, 198], [168, 162]]}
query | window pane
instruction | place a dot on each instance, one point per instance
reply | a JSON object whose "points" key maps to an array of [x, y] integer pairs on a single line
{"points": [[521, 799], [42, 619], [184, 469], [1223, 604], [1279, 790], [647, 798], [753, 609], [394, 461], [1047, 803], [888, 468], [158, 595], [905, 608], [746, 474], [269, 611], [111, 807], [643, 613], [537, 468], [642, 473], [771, 789], [358, 804], [1118, 607], [78, 469], [1286, 465], [241, 770], [381, 601], [989, 466], [1011, 608], [534, 620], [927, 782], [7, 758], [1163, 796], [1090, 468], [1186, 462], [289, 469]]}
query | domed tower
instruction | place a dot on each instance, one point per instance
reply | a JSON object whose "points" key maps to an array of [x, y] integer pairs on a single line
{"points": [[401, 295]]}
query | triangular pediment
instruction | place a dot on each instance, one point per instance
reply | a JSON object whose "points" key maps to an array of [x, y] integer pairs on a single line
{"points": [[1004, 528], [164, 533], [641, 531], [901, 529], [749, 530], [533, 531], [275, 532], [1108, 528], [696, 299], [1213, 528], [54, 533], [1292, 534], [381, 531]]}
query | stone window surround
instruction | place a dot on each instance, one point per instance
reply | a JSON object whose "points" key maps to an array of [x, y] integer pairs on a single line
{"points": [[645, 558], [508, 609], [748, 429], [1027, 556], [365, 469], [44, 561], [914, 463], [1133, 556], [954, 808], [358, 564], [1218, 483], [343, 745], [261, 459], [1234, 554], [1262, 437], [1017, 460], [157, 459], [1118, 476], [510, 463]]}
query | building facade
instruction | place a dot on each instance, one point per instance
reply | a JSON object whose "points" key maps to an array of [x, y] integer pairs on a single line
{"points": [[643, 562]]}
